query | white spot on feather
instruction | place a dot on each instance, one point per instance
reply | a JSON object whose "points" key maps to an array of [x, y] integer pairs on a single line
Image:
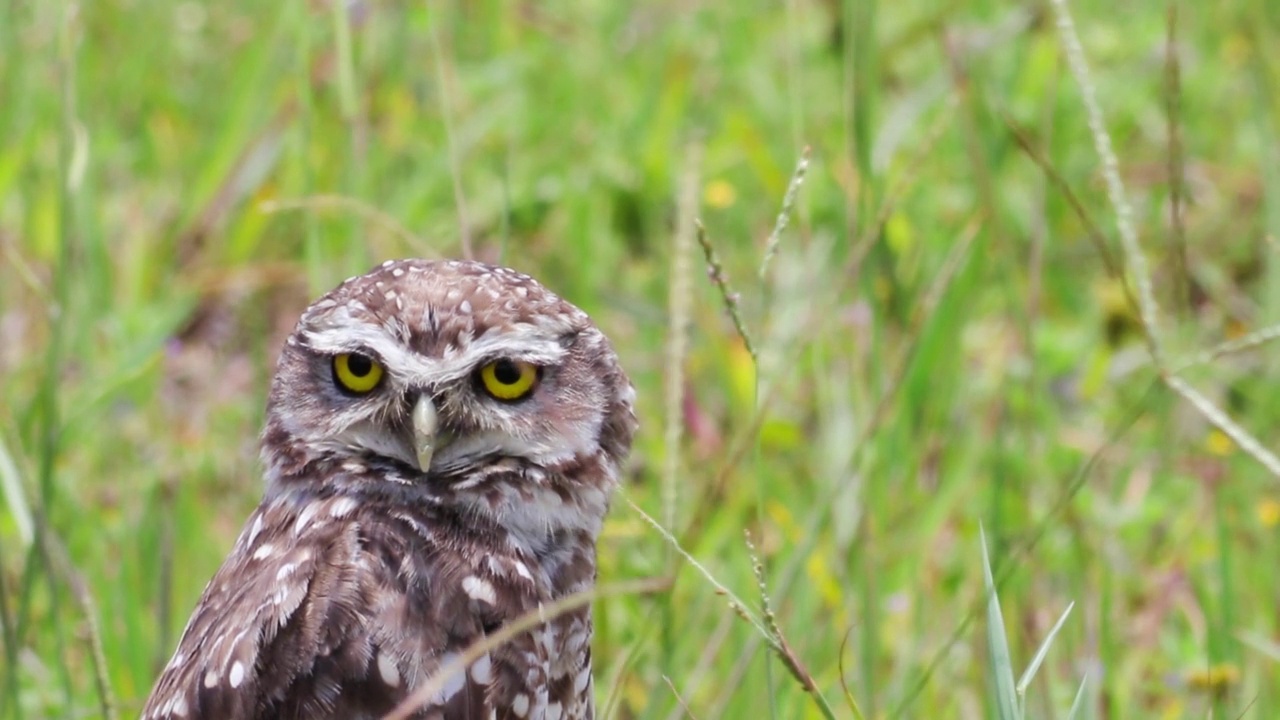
{"points": [[479, 589], [482, 670], [211, 678], [237, 674], [553, 711], [264, 551], [470, 482], [179, 707], [520, 705], [573, 643], [253, 531], [523, 571], [454, 682], [286, 570], [387, 670], [304, 517], [342, 507]]}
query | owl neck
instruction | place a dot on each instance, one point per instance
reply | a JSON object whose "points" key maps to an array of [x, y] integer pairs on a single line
{"points": [[538, 507]]}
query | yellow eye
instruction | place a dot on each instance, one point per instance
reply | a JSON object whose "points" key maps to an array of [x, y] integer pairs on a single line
{"points": [[356, 373], [509, 379]]}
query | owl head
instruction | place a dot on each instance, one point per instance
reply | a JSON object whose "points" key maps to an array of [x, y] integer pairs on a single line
{"points": [[444, 376]]}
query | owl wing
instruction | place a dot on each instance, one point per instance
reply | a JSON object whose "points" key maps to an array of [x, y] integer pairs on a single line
{"points": [[311, 616]]}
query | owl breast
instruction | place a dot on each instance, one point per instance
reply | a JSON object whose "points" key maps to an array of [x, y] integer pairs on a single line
{"points": [[446, 567]]}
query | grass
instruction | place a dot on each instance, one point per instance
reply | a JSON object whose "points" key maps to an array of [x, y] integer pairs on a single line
{"points": [[951, 331]]}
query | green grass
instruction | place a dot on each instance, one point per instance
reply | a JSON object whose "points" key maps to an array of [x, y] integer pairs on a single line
{"points": [[942, 341]]}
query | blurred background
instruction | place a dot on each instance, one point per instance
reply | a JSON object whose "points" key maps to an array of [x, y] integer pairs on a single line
{"points": [[945, 337]]}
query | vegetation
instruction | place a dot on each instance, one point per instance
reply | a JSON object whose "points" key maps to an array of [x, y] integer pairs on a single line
{"points": [[969, 315]]}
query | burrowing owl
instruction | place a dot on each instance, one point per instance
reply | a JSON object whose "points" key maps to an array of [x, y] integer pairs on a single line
{"points": [[442, 439]]}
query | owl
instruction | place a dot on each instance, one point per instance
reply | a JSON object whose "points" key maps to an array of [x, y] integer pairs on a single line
{"points": [[441, 443]]}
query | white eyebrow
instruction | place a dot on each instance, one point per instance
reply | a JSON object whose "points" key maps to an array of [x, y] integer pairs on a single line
{"points": [[517, 342]]}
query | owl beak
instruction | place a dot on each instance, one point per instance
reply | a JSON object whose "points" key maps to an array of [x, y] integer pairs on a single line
{"points": [[425, 424]]}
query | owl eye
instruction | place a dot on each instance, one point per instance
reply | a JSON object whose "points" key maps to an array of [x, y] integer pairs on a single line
{"points": [[509, 379], [356, 373]]}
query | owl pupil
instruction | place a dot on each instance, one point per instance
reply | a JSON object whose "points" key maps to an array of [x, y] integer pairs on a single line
{"points": [[506, 372], [359, 365]]}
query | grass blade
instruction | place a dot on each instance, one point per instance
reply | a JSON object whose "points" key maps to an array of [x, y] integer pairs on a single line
{"points": [[1078, 704], [1001, 664], [15, 496], [1268, 647], [1029, 674]]}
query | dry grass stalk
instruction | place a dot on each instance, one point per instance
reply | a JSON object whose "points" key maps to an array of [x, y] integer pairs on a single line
{"points": [[720, 278], [1148, 310], [784, 215], [1134, 257], [679, 303]]}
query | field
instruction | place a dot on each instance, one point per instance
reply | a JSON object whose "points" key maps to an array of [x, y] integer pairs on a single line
{"points": [[983, 273]]}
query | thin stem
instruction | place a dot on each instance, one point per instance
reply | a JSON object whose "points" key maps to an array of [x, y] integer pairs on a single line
{"points": [[1134, 257], [784, 214]]}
